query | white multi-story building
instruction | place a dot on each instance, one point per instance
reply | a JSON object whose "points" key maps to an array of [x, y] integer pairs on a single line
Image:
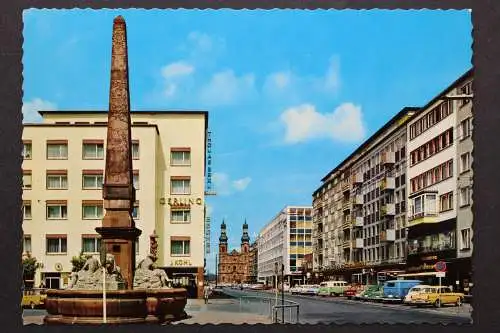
{"points": [[63, 169], [435, 175], [285, 241], [360, 209]]}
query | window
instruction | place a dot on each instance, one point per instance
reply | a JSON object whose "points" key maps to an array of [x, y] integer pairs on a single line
{"points": [[465, 243], [27, 243], [92, 210], [57, 180], [465, 129], [135, 180], [135, 150], [464, 196], [180, 185], [91, 244], [465, 162], [180, 156], [56, 244], [180, 246], [92, 179], [27, 179], [93, 149], [57, 210], [27, 150], [180, 216], [57, 150], [27, 210], [135, 210], [446, 201], [466, 90]]}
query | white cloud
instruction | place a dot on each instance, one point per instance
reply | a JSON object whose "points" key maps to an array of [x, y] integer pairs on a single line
{"points": [[177, 69], [201, 43], [30, 109], [223, 185], [209, 209], [332, 76], [226, 88], [289, 84], [241, 184], [304, 123], [173, 74]]}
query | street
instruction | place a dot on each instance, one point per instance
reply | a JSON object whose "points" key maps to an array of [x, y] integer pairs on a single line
{"points": [[315, 309], [247, 306]]}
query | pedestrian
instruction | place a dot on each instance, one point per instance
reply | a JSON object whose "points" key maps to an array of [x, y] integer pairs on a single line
{"points": [[206, 292]]}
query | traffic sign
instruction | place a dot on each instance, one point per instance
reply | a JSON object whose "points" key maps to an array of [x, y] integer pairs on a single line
{"points": [[441, 274], [440, 266]]}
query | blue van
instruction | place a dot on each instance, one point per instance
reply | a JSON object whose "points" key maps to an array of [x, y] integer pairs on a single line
{"points": [[396, 290]]}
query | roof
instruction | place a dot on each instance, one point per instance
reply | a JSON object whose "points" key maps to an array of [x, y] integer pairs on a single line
{"points": [[372, 138], [393, 120], [149, 112]]}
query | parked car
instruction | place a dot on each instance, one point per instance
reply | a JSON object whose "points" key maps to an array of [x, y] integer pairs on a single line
{"points": [[437, 296], [310, 290], [257, 286], [373, 293], [295, 290], [34, 298], [413, 292], [396, 290], [351, 291], [332, 288]]}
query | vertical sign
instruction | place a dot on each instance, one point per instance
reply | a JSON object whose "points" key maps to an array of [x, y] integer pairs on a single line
{"points": [[207, 235], [209, 190]]}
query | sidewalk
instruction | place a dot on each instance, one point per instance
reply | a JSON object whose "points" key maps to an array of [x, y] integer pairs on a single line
{"points": [[219, 311]]}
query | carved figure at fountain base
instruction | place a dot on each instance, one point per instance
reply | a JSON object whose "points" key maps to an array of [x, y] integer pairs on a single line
{"points": [[147, 276], [90, 277]]}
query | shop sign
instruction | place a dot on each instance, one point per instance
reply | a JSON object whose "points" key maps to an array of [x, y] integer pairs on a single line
{"points": [[184, 201], [180, 262], [424, 267]]}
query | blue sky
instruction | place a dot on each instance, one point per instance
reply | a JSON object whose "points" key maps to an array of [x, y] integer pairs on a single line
{"points": [[290, 93]]}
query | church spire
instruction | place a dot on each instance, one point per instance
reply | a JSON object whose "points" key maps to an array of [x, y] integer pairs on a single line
{"points": [[245, 238]]}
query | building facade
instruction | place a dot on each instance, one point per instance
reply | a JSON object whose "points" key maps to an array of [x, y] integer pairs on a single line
{"points": [[285, 241], [235, 267], [360, 209], [63, 170], [440, 179]]}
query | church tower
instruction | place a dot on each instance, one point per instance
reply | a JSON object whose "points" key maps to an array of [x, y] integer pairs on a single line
{"points": [[245, 239], [223, 238]]}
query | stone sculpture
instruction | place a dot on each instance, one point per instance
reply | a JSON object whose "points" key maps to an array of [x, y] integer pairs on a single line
{"points": [[149, 277], [90, 277]]}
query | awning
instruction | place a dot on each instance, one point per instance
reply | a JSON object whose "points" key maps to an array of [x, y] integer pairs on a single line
{"points": [[420, 274]]}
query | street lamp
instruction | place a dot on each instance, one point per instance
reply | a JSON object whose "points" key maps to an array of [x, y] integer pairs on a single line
{"points": [[282, 293]]}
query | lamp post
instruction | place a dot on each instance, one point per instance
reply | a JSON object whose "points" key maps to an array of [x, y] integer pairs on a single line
{"points": [[282, 294], [276, 272]]}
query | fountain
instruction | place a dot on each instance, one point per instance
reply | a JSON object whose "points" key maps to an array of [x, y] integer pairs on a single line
{"points": [[113, 290]]}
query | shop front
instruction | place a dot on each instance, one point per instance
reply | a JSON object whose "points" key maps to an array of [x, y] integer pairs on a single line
{"points": [[191, 278]]}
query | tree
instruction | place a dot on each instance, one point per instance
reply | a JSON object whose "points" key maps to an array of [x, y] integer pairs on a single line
{"points": [[30, 265], [78, 262]]}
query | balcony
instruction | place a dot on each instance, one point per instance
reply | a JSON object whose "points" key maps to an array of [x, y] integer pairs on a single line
{"points": [[346, 223], [346, 186], [421, 218], [387, 184], [346, 244], [346, 204], [389, 235], [357, 200], [357, 243], [388, 209], [357, 178], [358, 221], [388, 158]]}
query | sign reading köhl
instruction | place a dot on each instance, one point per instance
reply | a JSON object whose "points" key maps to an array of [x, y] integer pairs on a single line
{"points": [[440, 266]]}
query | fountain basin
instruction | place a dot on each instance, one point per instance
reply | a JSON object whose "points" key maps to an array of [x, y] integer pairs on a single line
{"points": [[84, 307]]}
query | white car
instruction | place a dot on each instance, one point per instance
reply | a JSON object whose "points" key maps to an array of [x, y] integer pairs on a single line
{"points": [[296, 290], [414, 291]]}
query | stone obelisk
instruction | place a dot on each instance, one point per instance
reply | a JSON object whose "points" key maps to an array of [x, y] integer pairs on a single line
{"points": [[118, 229]]}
